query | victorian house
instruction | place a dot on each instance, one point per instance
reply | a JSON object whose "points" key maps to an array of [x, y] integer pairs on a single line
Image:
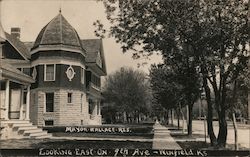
{"points": [[53, 81]]}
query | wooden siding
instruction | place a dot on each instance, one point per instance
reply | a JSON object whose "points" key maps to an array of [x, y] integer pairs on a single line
{"points": [[61, 79]]}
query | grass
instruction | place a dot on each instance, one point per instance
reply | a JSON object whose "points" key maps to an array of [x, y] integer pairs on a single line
{"points": [[105, 144], [193, 144], [71, 144], [185, 136], [103, 135]]}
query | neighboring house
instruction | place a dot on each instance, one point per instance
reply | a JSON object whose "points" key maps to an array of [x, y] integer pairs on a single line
{"points": [[54, 81]]}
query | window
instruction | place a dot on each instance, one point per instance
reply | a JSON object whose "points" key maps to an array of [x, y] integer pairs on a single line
{"points": [[99, 59], [26, 71], [82, 76], [69, 97], [49, 72], [96, 80], [49, 102], [49, 122]]}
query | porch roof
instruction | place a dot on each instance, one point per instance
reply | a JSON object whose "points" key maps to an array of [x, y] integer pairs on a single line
{"points": [[9, 72]]}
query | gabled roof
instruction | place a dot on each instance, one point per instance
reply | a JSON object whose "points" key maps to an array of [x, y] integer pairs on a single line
{"points": [[18, 45], [29, 45], [93, 47]]}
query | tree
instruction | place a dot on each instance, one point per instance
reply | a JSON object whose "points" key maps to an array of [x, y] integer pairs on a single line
{"points": [[128, 90], [215, 31], [176, 82]]}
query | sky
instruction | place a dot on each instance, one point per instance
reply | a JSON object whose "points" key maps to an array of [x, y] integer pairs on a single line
{"points": [[32, 15]]}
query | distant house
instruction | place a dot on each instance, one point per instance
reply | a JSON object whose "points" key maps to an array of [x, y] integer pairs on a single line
{"points": [[54, 81]]}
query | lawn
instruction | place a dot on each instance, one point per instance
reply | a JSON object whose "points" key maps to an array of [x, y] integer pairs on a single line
{"points": [[52, 143], [105, 144], [99, 139]]}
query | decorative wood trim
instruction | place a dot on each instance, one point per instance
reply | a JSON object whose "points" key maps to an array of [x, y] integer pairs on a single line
{"points": [[56, 48], [69, 74], [57, 61]]}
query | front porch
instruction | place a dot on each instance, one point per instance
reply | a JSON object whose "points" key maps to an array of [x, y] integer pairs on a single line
{"points": [[15, 104], [15, 100], [95, 117]]}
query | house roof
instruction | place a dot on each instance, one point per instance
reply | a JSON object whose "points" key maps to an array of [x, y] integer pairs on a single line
{"points": [[58, 32], [9, 71], [29, 45], [92, 47], [18, 45]]}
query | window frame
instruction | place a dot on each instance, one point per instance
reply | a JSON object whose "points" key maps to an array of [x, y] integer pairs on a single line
{"points": [[45, 104], [71, 98], [49, 121], [99, 59], [45, 71]]}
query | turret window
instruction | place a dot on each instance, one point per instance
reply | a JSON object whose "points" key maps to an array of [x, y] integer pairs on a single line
{"points": [[49, 72]]}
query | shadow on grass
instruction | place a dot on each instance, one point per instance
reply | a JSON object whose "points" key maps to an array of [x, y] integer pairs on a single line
{"points": [[106, 144], [186, 136], [193, 144]]}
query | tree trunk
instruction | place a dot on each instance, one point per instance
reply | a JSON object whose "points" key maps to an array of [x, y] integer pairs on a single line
{"points": [[167, 117], [183, 121], [235, 132], [190, 115], [124, 117], [222, 136], [127, 116], [210, 129], [171, 114], [178, 118], [138, 117]]}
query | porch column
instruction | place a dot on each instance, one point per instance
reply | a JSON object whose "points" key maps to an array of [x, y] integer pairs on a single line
{"points": [[28, 104], [21, 106], [95, 108], [248, 107], [99, 108], [7, 98]]}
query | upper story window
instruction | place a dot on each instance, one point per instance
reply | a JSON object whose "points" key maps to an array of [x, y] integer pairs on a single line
{"points": [[82, 75], [24, 70], [49, 72], [96, 80], [99, 59]]}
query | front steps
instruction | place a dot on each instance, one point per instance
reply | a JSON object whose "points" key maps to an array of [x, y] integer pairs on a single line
{"points": [[18, 129]]}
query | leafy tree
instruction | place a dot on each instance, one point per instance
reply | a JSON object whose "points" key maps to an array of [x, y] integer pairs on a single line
{"points": [[214, 31], [176, 83], [128, 90]]}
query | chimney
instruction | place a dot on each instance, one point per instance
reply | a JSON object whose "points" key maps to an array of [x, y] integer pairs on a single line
{"points": [[15, 31]]}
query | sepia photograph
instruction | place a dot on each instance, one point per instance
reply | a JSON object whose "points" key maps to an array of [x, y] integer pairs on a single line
{"points": [[124, 78]]}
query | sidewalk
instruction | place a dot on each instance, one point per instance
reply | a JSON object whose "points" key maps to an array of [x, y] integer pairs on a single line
{"points": [[243, 132], [162, 138]]}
